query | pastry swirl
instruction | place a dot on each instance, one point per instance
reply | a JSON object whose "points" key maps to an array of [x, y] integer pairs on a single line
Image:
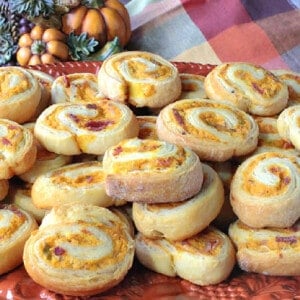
{"points": [[140, 79], [75, 87], [151, 171], [206, 258], [17, 149], [249, 87], [195, 214], [292, 80], [288, 125], [192, 86], [270, 251], [75, 128], [15, 228], [265, 190], [269, 138], [20, 94], [215, 130], [79, 256], [73, 183]]}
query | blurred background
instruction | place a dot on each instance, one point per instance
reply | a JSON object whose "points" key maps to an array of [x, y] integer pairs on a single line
{"points": [[265, 32]]}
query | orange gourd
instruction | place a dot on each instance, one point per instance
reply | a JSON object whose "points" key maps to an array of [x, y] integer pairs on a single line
{"points": [[42, 46], [100, 19]]}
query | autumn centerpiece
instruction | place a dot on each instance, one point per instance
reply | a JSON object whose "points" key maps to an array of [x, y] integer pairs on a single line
{"points": [[48, 31]]}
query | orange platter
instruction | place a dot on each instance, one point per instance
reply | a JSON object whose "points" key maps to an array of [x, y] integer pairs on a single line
{"points": [[141, 283]]}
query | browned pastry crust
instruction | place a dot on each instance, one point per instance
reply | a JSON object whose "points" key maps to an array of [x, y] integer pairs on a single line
{"points": [[265, 190], [195, 214], [17, 148], [206, 258], [73, 183], [20, 94], [76, 251], [75, 128], [250, 87], [151, 171], [270, 251], [15, 228], [216, 131], [140, 79]]}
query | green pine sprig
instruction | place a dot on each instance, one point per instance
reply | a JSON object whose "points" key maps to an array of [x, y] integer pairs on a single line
{"points": [[7, 46], [81, 46], [32, 8]]}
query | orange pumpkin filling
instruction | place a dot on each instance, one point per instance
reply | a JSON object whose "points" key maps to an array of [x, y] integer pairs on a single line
{"points": [[16, 221], [208, 242], [211, 118], [254, 187], [107, 117], [268, 86], [53, 252], [138, 69], [82, 180], [84, 89], [153, 163], [7, 90], [13, 138], [266, 127]]}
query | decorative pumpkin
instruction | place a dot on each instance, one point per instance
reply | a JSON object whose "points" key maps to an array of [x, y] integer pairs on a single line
{"points": [[42, 46], [100, 19]]}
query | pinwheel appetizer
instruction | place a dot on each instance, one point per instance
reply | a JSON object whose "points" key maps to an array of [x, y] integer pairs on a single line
{"points": [[195, 214], [140, 79], [75, 128], [249, 87], [269, 251], [151, 171], [17, 147], [20, 94], [216, 131], [206, 258], [265, 191]]}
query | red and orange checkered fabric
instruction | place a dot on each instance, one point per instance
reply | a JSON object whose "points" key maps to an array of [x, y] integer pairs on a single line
{"points": [[265, 32]]}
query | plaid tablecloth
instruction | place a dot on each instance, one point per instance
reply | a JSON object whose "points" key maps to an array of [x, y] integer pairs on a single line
{"points": [[265, 32]]}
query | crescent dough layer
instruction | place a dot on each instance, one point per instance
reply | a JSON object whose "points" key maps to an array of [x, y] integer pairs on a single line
{"points": [[75, 128], [147, 125], [249, 87], [270, 251], [206, 258], [215, 130], [288, 125], [195, 214], [73, 183], [77, 254], [20, 94], [75, 87], [17, 149], [151, 171], [265, 190], [46, 82], [20, 195], [292, 80], [269, 138], [192, 86], [16, 226], [140, 79]]}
